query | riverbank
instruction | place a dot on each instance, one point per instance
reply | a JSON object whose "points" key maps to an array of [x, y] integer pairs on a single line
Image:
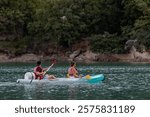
{"points": [[80, 56]]}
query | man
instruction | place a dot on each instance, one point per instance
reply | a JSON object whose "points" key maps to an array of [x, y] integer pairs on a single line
{"points": [[40, 72]]}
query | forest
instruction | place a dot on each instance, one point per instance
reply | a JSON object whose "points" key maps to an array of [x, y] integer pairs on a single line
{"points": [[33, 26]]}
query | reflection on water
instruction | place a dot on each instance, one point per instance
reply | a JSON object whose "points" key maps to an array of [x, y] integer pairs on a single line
{"points": [[123, 81]]}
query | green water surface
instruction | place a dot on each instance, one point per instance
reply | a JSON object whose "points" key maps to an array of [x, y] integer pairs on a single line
{"points": [[122, 81]]}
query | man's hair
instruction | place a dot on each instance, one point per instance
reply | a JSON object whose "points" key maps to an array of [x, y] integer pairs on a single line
{"points": [[38, 63]]}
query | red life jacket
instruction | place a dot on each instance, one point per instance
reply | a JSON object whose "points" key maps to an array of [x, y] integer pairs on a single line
{"points": [[38, 69]]}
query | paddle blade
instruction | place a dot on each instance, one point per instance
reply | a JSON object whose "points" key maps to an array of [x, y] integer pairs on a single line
{"points": [[53, 61]]}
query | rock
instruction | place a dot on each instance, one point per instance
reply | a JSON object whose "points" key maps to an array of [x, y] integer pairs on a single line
{"points": [[75, 54], [23, 58], [27, 57], [129, 44], [79, 59], [134, 44], [90, 55], [3, 58], [107, 58]]}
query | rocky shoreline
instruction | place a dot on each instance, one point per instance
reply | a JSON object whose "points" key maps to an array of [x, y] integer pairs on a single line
{"points": [[79, 56], [81, 52]]}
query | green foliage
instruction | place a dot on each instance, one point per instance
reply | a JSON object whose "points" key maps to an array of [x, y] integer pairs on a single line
{"points": [[140, 27], [69, 20], [66, 21], [14, 16], [20, 47], [107, 43]]}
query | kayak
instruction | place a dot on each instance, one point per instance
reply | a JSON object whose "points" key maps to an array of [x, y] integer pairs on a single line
{"points": [[30, 77]]}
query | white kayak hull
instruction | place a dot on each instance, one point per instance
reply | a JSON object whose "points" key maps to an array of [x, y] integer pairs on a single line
{"points": [[46, 80], [29, 77]]}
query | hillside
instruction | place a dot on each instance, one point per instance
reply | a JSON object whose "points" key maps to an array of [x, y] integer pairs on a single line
{"points": [[95, 30]]}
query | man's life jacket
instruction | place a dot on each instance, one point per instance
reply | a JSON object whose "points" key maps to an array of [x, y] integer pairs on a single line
{"points": [[38, 69]]}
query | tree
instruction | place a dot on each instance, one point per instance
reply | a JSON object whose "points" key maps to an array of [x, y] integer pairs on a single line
{"points": [[138, 18]]}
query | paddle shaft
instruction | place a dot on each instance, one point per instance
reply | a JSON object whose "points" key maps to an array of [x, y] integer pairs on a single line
{"points": [[48, 68], [31, 79]]}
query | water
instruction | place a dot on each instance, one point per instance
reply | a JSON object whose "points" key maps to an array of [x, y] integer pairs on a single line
{"points": [[123, 81]]}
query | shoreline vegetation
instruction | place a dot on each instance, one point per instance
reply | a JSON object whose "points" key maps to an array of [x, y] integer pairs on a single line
{"points": [[80, 30]]}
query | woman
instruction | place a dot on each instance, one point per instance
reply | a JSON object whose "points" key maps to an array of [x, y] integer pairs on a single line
{"points": [[72, 71]]}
